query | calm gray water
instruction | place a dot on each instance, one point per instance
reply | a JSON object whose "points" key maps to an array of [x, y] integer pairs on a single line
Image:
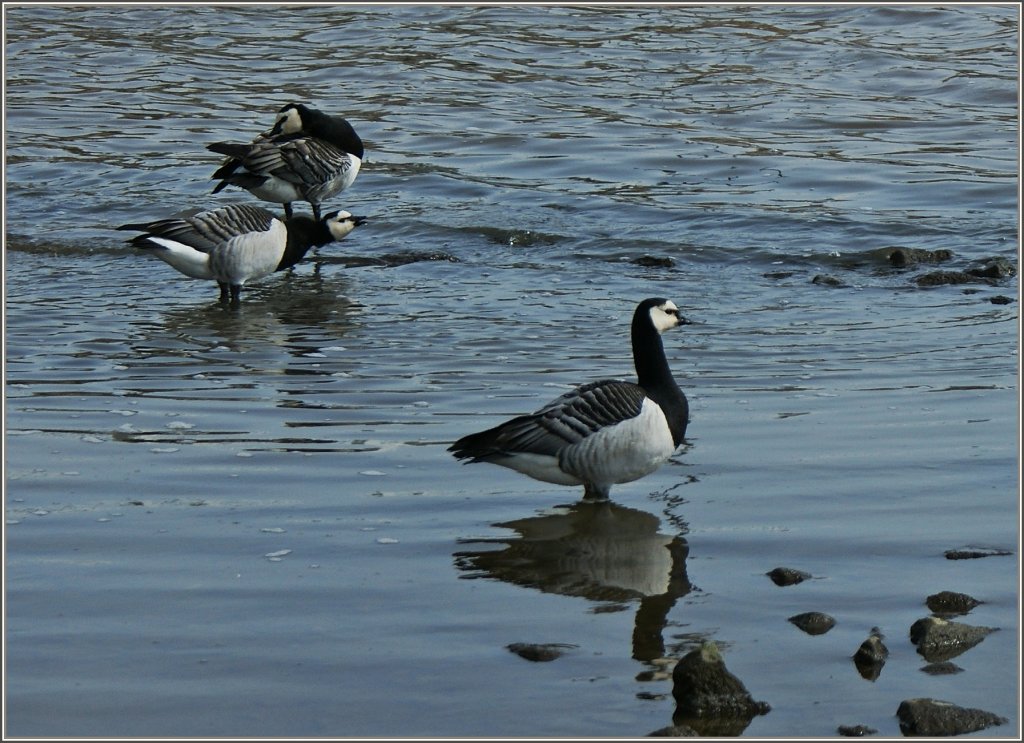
{"points": [[245, 523]]}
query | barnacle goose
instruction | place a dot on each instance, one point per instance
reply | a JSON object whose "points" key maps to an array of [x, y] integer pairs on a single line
{"points": [[237, 243], [601, 433], [306, 156]]}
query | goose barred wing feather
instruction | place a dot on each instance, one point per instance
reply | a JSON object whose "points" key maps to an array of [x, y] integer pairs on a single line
{"points": [[304, 161], [208, 230], [565, 421]]}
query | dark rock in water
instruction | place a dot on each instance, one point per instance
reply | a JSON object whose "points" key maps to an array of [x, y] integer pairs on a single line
{"points": [[826, 280], [778, 274], [709, 698], [976, 552], [674, 731], [945, 278], [938, 639], [855, 731], [993, 268], [539, 653], [903, 257], [935, 718], [945, 668], [813, 622], [787, 576], [1000, 299], [652, 261], [870, 657], [950, 602]]}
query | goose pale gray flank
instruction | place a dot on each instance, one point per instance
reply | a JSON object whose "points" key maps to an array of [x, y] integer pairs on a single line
{"points": [[306, 156], [602, 433], [238, 243]]}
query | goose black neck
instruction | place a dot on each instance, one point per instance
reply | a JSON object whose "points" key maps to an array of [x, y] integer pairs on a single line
{"points": [[303, 234], [655, 377], [649, 353], [335, 130]]}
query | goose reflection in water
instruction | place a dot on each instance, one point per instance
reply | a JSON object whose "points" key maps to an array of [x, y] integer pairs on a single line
{"points": [[599, 551]]}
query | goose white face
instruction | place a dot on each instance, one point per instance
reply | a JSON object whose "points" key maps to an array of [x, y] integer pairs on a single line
{"points": [[289, 121], [665, 316], [340, 223]]}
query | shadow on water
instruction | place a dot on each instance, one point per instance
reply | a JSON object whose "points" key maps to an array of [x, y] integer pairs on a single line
{"points": [[602, 552]]}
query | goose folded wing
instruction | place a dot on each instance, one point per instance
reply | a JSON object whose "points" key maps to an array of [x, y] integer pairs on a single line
{"points": [[572, 417], [207, 231]]}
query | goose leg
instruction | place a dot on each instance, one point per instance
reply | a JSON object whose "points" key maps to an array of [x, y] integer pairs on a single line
{"points": [[223, 292], [316, 212], [288, 210], [235, 295]]}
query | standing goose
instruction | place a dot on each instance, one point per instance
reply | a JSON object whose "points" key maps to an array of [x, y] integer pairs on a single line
{"points": [[601, 433], [306, 156], [237, 243]]}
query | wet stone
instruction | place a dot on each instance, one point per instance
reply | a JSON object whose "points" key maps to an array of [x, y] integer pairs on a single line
{"points": [[934, 718], [993, 268], [945, 278], [539, 653], [778, 274], [870, 657], [903, 257], [855, 731], [827, 280], [938, 639], [787, 576], [653, 261], [813, 622], [1000, 299], [951, 602], [975, 553], [709, 698], [674, 731]]}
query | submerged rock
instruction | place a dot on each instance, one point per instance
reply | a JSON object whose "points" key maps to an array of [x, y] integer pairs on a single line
{"points": [[855, 731], [870, 657], [653, 261], [826, 280], [993, 268], [1000, 299], [951, 602], [813, 622], [539, 653], [674, 731], [787, 576], [973, 553], [934, 718], [903, 257], [938, 639], [709, 698]]}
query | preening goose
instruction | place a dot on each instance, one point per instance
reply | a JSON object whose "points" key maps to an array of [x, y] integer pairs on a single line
{"points": [[238, 243], [601, 433], [306, 156]]}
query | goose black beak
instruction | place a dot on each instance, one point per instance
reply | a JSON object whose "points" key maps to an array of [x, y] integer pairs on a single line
{"points": [[358, 220]]}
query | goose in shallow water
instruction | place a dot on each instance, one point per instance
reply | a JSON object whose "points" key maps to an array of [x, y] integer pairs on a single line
{"points": [[601, 433], [306, 156], [238, 243]]}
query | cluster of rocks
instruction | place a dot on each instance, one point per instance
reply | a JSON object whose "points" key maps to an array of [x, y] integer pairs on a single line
{"points": [[937, 638], [713, 702], [991, 271]]}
